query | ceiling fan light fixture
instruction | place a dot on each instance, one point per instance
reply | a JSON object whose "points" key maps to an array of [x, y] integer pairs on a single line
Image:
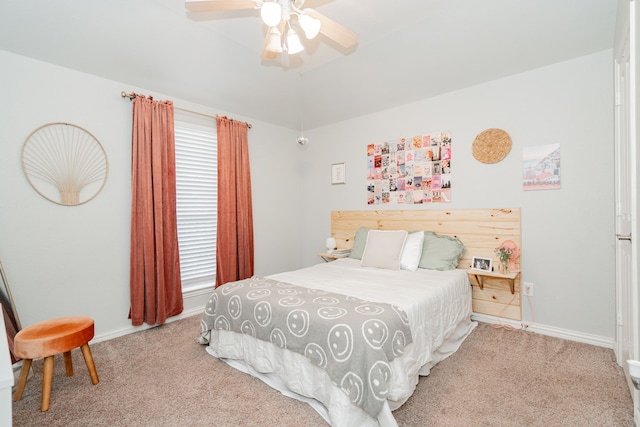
{"points": [[283, 14], [274, 42], [310, 25], [271, 13], [293, 42]]}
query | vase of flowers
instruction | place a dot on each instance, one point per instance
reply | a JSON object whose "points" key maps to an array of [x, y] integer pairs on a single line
{"points": [[504, 256]]}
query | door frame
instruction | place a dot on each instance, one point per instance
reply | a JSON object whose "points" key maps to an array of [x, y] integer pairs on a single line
{"points": [[627, 291]]}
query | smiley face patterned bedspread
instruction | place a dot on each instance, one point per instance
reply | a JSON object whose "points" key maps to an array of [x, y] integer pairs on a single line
{"points": [[353, 340]]}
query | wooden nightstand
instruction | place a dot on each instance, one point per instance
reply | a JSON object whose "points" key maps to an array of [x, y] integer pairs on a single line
{"points": [[481, 274], [338, 253], [328, 257]]}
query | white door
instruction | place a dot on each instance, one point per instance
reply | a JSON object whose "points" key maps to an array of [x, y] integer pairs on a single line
{"points": [[627, 295]]}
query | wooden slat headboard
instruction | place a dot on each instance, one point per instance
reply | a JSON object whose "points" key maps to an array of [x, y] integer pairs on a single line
{"points": [[480, 230]]}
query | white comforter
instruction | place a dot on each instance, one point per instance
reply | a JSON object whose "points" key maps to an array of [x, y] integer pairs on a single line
{"points": [[438, 304]]}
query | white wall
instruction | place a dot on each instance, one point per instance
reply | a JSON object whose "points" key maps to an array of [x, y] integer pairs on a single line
{"points": [[63, 260], [75, 260], [567, 234]]}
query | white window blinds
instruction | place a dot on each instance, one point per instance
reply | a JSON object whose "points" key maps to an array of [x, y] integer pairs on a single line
{"points": [[196, 203]]}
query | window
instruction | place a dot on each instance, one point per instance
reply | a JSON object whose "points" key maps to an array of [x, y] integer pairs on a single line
{"points": [[196, 203]]}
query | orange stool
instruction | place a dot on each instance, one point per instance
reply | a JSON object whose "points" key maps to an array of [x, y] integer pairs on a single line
{"points": [[48, 338]]}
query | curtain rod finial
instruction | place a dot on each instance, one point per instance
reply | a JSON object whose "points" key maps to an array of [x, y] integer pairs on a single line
{"points": [[128, 95]]}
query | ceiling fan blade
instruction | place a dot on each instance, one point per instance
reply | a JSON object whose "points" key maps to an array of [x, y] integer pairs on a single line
{"points": [[336, 32], [218, 5]]}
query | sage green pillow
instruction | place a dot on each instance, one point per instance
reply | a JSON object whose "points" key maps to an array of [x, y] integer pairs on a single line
{"points": [[440, 252], [359, 242]]}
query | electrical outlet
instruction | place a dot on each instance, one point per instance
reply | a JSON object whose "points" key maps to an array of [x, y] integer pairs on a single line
{"points": [[527, 289]]}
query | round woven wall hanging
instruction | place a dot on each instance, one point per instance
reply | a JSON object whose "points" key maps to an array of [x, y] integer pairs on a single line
{"points": [[64, 163], [491, 146]]}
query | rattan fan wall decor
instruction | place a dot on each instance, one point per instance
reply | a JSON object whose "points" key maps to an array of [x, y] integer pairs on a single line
{"points": [[491, 145], [64, 163]]}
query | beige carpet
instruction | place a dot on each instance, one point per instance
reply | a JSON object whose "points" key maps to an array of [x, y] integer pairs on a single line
{"points": [[161, 377]]}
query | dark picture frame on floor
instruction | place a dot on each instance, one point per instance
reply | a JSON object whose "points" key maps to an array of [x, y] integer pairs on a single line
{"points": [[9, 312]]}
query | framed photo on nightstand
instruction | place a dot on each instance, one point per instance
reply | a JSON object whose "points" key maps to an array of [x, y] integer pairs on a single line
{"points": [[483, 264]]}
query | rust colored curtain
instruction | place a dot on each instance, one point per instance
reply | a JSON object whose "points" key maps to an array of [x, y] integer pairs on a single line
{"points": [[234, 258], [156, 288]]}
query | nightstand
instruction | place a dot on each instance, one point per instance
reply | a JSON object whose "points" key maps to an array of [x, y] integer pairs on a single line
{"points": [[481, 274], [328, 257]]}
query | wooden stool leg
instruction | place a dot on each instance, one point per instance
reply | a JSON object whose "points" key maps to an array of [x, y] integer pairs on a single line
{"points": [[88, 359], [68, 363], [22, 380], [47, 377]]}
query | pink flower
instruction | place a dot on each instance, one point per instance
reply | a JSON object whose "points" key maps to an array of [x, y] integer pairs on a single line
{"points": [[504, 254]]}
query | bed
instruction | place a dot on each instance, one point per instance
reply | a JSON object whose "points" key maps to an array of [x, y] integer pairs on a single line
{"points": [[352, 337]]}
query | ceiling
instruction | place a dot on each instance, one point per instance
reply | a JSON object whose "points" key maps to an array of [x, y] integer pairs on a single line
{"points": [[408, 50]]}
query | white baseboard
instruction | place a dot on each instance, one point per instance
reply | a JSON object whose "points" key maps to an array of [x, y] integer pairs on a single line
{"points": [[551, 331], [194, 303]]}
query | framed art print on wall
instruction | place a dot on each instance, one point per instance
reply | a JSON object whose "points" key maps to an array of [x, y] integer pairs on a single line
{"points": [[541, 167], [338, 173]]}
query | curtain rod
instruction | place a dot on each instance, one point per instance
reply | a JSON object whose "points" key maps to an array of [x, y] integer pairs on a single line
{"points": [[133, 95]]}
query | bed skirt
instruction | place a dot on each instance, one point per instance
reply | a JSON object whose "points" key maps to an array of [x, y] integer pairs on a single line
{"points": [[292, 375]]}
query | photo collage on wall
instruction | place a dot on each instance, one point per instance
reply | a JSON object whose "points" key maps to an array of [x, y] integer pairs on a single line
{"points": [[410, 170]]}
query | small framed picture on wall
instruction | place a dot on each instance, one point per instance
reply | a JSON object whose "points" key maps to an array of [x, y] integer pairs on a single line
{"points": [[338, 173]]}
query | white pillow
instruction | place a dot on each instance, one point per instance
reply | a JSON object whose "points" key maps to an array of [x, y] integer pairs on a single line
{"points": [[383, 249], [412, 251]]}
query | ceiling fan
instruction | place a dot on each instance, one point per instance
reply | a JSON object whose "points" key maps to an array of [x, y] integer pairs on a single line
{"points": [[282, 36]]}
